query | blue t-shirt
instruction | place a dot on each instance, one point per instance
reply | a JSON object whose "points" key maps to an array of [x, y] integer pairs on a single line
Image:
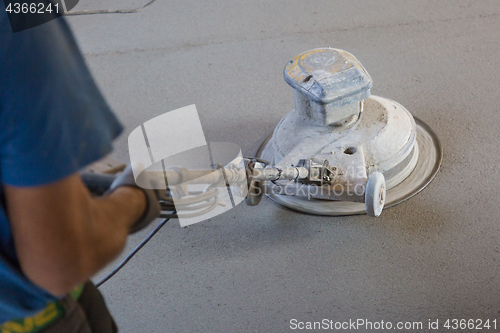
{"points": [[53, 122]]}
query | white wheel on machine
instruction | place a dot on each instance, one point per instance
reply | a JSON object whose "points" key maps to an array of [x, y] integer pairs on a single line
{"points": [[375, 194]]}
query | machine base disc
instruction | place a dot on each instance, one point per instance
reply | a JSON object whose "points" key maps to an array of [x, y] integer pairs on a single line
{"points": [[429, 161]]}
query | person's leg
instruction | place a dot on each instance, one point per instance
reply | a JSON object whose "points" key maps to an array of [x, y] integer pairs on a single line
{"points": [[88, 314], [74, 320], [97, 313]]}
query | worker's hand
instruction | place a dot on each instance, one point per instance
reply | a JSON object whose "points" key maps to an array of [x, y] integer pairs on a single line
{"points": [[153, 208]]}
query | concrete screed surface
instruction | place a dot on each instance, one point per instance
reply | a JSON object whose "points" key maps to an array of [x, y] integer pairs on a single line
{"points": [[254, 269]]}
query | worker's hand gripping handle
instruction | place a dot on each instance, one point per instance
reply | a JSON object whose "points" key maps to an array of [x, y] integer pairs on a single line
{"points": [[153, 208]]}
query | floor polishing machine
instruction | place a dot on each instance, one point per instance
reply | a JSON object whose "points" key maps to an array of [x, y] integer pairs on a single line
{"points": [[341, 151]]}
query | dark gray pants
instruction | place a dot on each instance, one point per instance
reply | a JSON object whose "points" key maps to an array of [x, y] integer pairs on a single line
{"points": [[87, 315]]}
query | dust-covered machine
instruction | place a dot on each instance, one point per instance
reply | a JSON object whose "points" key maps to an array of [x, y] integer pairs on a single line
{"points": [[362, 152], [339, 152]]}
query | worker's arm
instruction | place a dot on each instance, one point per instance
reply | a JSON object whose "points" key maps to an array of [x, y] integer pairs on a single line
{"points": [[63, 235]]}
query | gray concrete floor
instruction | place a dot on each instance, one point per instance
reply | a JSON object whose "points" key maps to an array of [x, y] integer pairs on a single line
{"points": [[253, 269]]}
